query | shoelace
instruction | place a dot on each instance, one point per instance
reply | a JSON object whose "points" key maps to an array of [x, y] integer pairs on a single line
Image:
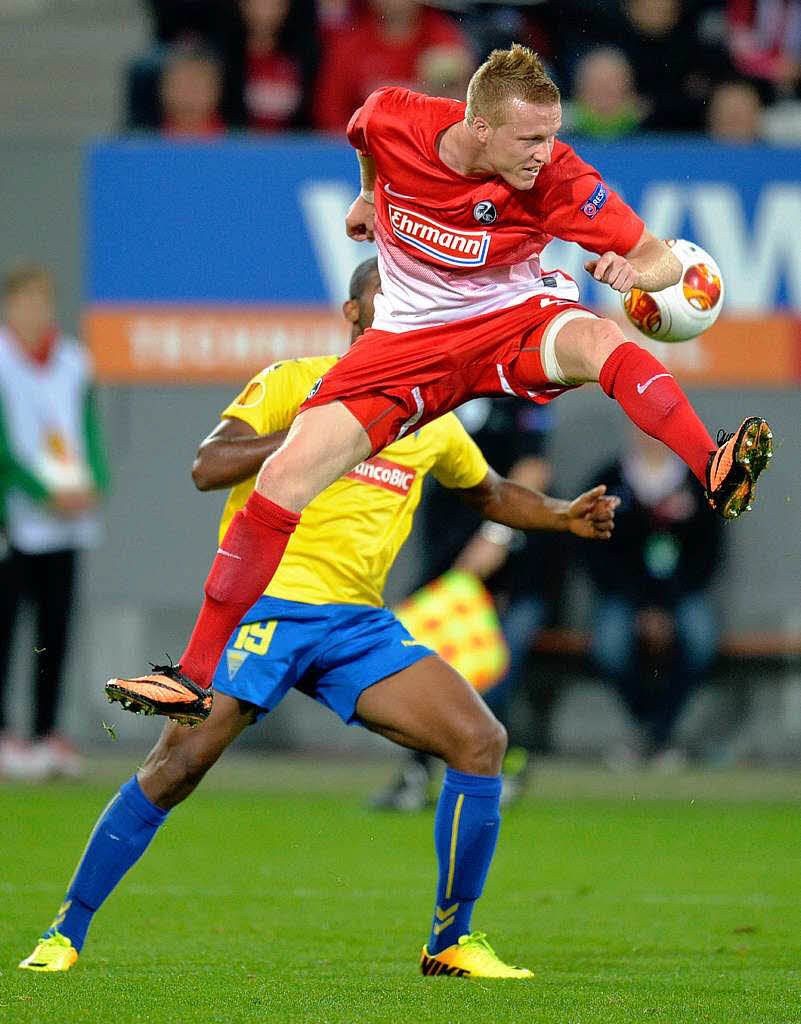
{"points": [[57, 939], [165, 670], [478, 939]]}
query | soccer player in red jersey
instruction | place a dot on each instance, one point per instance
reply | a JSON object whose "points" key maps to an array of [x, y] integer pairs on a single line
{"points": [[461, 200]]}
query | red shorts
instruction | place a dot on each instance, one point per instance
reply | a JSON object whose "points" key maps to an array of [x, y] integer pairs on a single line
{"points": [[394, 383]]}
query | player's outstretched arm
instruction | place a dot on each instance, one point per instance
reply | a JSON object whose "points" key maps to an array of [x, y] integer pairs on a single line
{"points": [[591, 514], [231, 453], [650, 265]]}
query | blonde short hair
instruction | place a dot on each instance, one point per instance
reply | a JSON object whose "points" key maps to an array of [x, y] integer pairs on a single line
{"points": [[514, 74]]}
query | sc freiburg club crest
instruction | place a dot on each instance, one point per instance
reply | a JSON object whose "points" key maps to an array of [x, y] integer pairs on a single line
{"points": [[485, 212]]}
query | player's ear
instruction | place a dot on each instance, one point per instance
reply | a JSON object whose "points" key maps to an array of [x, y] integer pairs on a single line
{"points": [[481, 128], [350, 310]]}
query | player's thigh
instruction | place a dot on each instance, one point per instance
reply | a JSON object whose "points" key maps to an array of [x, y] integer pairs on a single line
{"points": [[582, 345], [429, 706], [324, 442]]}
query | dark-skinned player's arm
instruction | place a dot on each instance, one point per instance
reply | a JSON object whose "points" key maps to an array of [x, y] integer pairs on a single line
{"points": [[489, 547], [650, 265], [501, 500], [231, 453]]}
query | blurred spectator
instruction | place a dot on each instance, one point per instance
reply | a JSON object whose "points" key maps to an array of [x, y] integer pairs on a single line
{"points": [[765, 42], [654, 631], [52, 470], [605, 104], [445, 71], [735, 113], [178, 25], [190, 89], [389, 45], [521, 570], [271, 54], [674, 67]]}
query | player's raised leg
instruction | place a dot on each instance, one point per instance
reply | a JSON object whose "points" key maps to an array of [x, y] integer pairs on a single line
{"points": [[324, 442], [430, 707], [590, 349], [124, 830]]}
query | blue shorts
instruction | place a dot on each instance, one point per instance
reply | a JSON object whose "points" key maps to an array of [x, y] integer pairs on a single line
{"points": [[331, 652]]}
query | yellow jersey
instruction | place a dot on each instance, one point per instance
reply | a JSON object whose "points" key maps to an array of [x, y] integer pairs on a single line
{"points": [[350, 534]]}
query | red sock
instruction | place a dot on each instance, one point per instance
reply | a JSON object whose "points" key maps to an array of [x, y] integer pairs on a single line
{"points": [[652, 399], [245, 563]]}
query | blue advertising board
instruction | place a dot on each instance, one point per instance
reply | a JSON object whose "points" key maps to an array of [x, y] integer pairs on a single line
{"points": [[242, 225]]}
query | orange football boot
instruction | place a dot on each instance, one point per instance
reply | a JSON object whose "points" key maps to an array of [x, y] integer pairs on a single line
{"points": [[732, 470], [165, 691]]}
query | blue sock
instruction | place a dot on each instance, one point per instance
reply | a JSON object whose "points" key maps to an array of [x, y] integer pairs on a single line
{"points": [[120, 837], [465, 832]]}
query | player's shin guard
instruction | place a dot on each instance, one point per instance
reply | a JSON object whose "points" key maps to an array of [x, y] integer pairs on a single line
{"points": [[118, 840], [465, 831], [243, 566], [651, 398]]}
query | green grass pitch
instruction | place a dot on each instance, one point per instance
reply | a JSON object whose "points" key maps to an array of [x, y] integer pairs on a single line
{"points": [[273, 895]]}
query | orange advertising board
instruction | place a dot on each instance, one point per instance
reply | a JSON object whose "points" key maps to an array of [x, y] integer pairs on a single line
{"points": [[192, 345], [738, 351], [175, 345]]}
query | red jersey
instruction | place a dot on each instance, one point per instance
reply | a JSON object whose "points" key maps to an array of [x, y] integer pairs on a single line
{"points": [[451, 246]]}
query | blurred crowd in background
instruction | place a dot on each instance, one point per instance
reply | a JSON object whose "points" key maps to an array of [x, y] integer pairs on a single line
{"points": [[730, 69]]}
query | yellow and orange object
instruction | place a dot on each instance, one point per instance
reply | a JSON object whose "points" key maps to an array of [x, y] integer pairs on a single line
{"points": [[456, 617]]}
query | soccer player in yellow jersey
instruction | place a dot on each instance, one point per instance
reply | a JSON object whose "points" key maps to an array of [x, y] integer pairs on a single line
{"points": [[321, 627]]}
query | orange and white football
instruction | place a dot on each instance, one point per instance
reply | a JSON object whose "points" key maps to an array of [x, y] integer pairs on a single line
{"points": [[686, 309]]}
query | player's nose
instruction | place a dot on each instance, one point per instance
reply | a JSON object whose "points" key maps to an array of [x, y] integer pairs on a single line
{"points": [[542, 152]]}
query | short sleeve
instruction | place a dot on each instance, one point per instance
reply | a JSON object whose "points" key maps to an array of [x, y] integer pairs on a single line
{"points": [[459, 464], [578, 206], [358, 126], [270, 400]]}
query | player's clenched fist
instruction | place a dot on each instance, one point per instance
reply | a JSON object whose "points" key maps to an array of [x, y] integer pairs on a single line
{"points": [[592, 514], [614, 270], [359, 220]]}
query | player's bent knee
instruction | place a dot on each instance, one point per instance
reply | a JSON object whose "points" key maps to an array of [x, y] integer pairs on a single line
{"points": [[603, 338], [499, 742], [323, 443], [295, 475], [584, 345], [479, 747], [281, 479]]}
